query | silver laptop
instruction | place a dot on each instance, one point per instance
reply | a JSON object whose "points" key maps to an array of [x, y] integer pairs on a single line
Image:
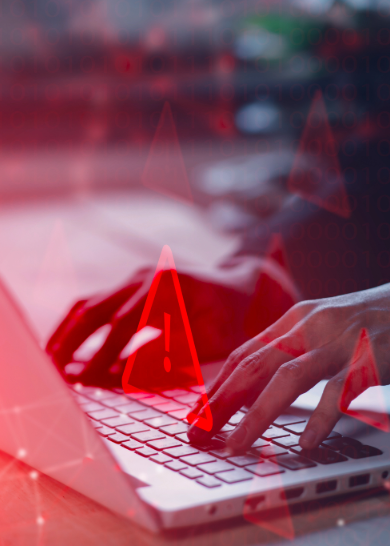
{"points": [[131, 453]]}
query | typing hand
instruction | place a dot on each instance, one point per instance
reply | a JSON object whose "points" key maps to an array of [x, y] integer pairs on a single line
{"points": [[219, 304], [312, 341]]}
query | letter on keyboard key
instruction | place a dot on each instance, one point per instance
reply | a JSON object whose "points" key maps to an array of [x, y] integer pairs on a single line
{"points": [[264, 469], [117, 437], [191, 473], [182, 451], [146, 451], [217, 466], [148, 436], [160, 458], [235, 476], [132, 445], [293, 461], [243, 460], [164, 443], [198, 458], [209, 481]]}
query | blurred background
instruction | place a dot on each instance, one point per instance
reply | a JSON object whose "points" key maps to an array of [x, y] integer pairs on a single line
{"points": [[83, 87]]}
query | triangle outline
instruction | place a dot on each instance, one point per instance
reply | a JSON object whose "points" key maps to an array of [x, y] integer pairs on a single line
{"points": [[166, 259], [379, 421], [342, 209]]}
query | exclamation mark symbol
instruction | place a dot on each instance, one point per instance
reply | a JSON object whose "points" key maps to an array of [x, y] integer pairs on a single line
{"points": [[167, 331]]}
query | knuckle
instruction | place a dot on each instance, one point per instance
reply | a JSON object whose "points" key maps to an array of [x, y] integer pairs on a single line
{"points": [[290, 371], [250, 363]]}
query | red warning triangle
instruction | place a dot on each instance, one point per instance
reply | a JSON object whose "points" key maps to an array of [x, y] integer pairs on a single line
{"points": [[165, 170], [370, 407], [315, 175], [260, 506], [168, 361]]}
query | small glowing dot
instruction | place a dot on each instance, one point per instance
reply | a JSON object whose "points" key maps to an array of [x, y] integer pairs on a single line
{"points": [[34, 475], [21, 453], [78, 387], [340, 522], [98, 392], [40, 520]]}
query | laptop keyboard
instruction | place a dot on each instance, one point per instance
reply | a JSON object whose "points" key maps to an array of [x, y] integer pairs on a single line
{"points": [[152, 426]]}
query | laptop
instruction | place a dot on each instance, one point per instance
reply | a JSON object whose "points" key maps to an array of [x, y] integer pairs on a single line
{"points": [[131, 454]]}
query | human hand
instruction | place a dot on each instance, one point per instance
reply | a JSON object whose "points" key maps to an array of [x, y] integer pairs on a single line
{"points": [[312, 341], [219, 303]]}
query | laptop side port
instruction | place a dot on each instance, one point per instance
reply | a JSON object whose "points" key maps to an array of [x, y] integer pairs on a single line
{"points": [[361, 479], [325, 487], [292, 493]]}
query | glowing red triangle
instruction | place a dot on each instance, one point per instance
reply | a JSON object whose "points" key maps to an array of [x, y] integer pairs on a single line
{"points": [[145, 369], [259, 510], [165, 171], [315, 175], [356, 383]]}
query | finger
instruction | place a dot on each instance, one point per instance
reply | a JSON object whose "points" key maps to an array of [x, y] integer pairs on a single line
{"points": [[290, 380], [251, 375], [280, 328], [83, 320], [124, 325]]}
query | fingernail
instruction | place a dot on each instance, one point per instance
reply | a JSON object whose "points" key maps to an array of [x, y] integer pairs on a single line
{"points": [[238, 435], [308, 438]]}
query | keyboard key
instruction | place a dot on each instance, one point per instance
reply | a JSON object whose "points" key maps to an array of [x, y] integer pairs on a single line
{"points": [[274, 432], [179, 414], [117, 437], [161, 421], [243, 460], [131, 407], [215, 467], [139, 395], [352, 452], [191, 473], [287, 441], [297, 428], [172, 430], [102, 414], [154, 400], [91, 406], [164, 443], [182, 451], [260, 443], [198, 458], [227, 428], [209, 481], [119, 420], [99, 394], [133, 428], [80, 399], [334, 434], [369, 451], [223, 435], [146, 451], [189, 399], [148, 436], [235, 476], [337, 444], [236, 418], [105, 431], [183, 438], [284, 420], [270, 451], [132, 444], [96, 424], [293, 461], [264, 469], [176, 465], [174, 392], [148, 413], [160, 458], [116, 401], [320, 455], [171, 405], [221, 453]]}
